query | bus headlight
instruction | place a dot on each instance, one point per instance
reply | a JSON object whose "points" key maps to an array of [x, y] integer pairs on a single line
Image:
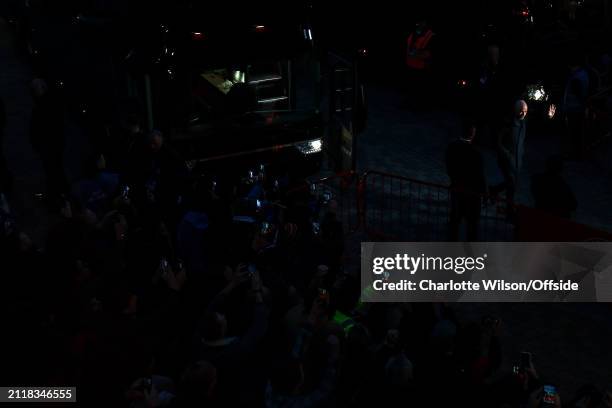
{"points": [[310, 147]]}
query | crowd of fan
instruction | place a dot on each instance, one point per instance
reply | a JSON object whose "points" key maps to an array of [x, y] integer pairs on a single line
{"points": [[164, 286]]}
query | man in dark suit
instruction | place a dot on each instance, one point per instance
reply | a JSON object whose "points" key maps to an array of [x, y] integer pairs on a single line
{"points": [[465, 167], [511, 154]]}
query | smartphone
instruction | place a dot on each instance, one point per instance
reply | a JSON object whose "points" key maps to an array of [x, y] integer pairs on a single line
{"points": [[327, 196], [120, 234], [550, 395], [252, 269], [163, 266], [147, 384], [323, 295]]}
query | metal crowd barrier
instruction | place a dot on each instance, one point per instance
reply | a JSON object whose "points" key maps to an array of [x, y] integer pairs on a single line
{"points": [[378, 206], [405, 209], [339, 193], [390, 207]]}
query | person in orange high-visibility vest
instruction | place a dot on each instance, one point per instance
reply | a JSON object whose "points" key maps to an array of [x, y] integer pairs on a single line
{"points": [[418, 51], [419, 66]]}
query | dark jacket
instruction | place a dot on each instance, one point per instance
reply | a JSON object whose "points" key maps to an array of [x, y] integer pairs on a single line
{"points": [[511, 146], [47, 126], [493, 91], [117, 149], [464, 166], [236, 360], [576, 92], [162, 173]]}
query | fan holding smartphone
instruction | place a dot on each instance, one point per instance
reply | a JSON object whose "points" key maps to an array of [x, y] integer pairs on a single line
{"points": [[551, 397]]}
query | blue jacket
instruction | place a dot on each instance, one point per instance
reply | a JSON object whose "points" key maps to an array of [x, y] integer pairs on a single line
{"points": [[191, 235], [576, 92]]}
